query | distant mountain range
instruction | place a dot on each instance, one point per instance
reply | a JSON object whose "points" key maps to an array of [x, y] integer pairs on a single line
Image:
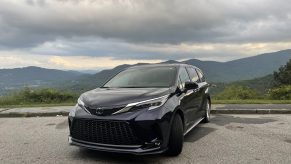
{"points": [[243, 69], [11, 79], [217, 72], [225, 72]]}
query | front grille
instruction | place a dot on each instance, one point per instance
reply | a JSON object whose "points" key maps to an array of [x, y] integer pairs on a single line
{"points": [[104, 132], [104, 111]]}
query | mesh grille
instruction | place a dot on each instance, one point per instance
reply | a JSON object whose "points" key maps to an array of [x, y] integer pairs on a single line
{"points": [[104, 132]]}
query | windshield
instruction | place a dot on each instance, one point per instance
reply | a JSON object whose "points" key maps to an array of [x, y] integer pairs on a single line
{"points": [[144, 77]]}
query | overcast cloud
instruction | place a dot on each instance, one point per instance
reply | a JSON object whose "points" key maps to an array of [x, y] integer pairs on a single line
{"points": [[129, 31]]}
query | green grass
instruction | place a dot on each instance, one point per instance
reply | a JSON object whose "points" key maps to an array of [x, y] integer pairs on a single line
{"points": [[257, 101], [38, 98], [36, 105], [50, 97], [213, 101]]}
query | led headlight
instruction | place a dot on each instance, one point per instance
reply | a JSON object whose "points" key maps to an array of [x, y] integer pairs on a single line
{"points": [[150, 104], [81, 103]]}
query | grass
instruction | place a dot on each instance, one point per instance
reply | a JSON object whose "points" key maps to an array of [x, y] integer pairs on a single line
{"points": [[43, 97], [259, 101], [36, 105], [250, 101], [47, 97]]}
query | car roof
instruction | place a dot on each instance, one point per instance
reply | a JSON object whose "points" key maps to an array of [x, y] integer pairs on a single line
{"points": [[177, 65]]}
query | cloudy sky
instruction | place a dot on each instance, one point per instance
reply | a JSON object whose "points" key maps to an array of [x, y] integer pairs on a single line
{"points": [[94, 34]]}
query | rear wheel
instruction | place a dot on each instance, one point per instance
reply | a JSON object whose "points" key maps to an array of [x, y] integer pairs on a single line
{"points": [[207, 111], [176, 137]]}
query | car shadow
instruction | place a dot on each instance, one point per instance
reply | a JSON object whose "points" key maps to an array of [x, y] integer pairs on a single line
{"points": [[222, 120]]}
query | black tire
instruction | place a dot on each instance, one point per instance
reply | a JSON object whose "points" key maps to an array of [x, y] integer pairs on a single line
{"points": [[176, 139], [207, 108]]}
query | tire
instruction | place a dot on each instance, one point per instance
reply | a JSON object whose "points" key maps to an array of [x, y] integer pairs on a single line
{"points": [[176, 139], [207, 107]]}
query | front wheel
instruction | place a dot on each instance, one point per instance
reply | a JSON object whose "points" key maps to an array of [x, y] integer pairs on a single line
{"points": [[207, 111], [176, 137]]}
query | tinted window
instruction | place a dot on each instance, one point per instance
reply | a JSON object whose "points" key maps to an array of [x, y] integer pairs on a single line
{"points": [[201, 75], [144, 77], [183, 75], [193, 74]]}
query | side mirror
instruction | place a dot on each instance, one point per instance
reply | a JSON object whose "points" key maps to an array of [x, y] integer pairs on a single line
{"points": [[191, 85]]}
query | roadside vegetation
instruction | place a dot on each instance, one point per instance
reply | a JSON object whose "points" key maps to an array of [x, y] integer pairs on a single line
{"points": [[251, 101], [38, 97], [272, 89]]}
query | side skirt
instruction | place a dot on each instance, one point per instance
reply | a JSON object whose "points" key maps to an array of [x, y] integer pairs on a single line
{"points": [[195, 124]]}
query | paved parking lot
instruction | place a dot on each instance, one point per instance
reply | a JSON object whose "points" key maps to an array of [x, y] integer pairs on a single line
{"points": [[227, 139]]}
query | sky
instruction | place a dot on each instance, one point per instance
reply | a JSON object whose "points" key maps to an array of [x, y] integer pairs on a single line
{"points": [[97, 34]]}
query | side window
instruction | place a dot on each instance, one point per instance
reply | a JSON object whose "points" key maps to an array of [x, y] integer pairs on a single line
{"points": [[193, 75], [183, 76], [200, 75]]}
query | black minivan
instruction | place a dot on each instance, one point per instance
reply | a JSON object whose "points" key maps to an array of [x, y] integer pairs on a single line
{"points": [[145, 109]]}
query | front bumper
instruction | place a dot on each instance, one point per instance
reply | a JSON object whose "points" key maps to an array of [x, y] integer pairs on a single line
{"points": [[151, 128], [128, 149]]}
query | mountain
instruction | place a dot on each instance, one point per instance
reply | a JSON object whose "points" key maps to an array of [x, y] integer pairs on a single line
{"points": [[243, 69], [216, 72], [260, 84], [11, 79], [90, 71], [87, 82]]}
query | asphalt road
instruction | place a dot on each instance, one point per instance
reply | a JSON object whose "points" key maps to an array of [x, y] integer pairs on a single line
{"points": [[227, 139]]}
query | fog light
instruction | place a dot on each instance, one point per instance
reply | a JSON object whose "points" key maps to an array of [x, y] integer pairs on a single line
{"points": [[153, 143], [158, 143]]}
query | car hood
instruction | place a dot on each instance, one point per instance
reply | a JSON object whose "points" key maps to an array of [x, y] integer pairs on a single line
{"points": [[106, 97]]}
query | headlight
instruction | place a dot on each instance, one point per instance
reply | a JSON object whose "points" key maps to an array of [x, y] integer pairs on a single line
{"points": [[81, 103], [150, 104]]}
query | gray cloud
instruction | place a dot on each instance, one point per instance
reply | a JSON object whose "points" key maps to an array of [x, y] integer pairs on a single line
{"points": [[135, 28], [99, 47]]}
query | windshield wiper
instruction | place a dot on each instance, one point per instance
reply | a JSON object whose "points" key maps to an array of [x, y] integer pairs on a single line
{"points": [[137, 87], [124, 87], [141, 87], [130, 87]]}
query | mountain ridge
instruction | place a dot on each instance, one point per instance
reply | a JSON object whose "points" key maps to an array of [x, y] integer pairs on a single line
{"points": [[226, 72], [216, 72], [32, 76]]}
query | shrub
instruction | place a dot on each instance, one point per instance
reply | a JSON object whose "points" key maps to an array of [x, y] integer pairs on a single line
{"points": [[280, 93], [38, 96], [235, 92]]}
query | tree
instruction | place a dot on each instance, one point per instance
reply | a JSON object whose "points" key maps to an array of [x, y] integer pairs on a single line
{"points": [[283, 76]]}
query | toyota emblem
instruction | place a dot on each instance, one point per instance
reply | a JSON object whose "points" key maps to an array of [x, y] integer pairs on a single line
{"points": [[99, 111]]}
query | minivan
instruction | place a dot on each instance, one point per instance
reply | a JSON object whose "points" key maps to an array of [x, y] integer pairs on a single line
{"points": [[145, 109]]}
